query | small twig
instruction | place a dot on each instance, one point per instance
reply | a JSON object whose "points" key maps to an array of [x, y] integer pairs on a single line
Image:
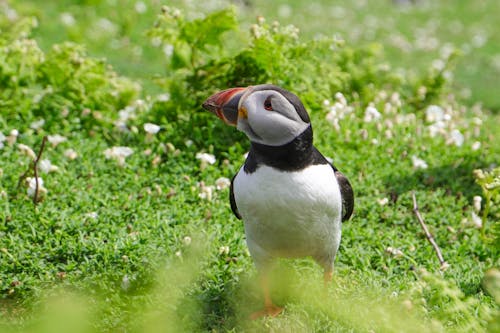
{"points": [[35, 171], [428, 235], [33, 166]]}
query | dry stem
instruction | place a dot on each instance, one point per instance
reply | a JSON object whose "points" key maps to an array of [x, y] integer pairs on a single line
{"points": [[34, 166], [428, 235]]}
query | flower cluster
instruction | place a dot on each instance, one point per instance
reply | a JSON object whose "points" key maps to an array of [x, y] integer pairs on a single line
{"points": [[131, 112], [118, 153], [338, 111], [445, 123], [10, 139], [206, 191]]}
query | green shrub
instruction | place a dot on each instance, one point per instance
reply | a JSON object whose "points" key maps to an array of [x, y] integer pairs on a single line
{"points": [[57, 86]]}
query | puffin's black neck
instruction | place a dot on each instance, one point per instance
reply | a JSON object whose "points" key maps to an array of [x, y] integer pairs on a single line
{"points": [[292, 156]]}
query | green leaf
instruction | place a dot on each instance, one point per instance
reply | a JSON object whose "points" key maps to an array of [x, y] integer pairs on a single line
{"points": [[207, 31]]}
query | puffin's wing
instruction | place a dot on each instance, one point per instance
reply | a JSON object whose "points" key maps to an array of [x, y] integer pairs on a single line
{"points": [[232, 201], [346, 193]]}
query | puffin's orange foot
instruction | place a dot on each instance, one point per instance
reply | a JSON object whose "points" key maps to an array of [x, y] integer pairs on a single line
{"points": [[271, 311]]}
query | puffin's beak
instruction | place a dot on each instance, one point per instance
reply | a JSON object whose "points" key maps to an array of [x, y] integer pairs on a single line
{"points": [[224, 104]]}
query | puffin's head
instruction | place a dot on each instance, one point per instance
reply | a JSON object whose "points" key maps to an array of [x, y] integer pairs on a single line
{"points": [[267, 114]]}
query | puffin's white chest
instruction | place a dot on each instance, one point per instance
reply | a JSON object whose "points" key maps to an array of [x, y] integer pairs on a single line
{"points": [[290, 214]]}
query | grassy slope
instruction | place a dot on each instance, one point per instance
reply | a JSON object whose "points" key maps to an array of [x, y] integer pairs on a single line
{"points": [[468, 26], [139, 229]]}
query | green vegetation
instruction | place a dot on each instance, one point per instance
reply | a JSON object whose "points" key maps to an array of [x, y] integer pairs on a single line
{"points": [[132, 229]]}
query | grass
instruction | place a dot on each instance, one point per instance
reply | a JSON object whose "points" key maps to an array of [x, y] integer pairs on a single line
{"points": [[135, 248]]}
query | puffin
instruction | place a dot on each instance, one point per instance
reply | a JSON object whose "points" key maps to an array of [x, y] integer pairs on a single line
{"points": [[291, 199]]}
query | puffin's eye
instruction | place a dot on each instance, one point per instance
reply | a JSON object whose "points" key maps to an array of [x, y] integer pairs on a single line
{"points": [[267, 104]]}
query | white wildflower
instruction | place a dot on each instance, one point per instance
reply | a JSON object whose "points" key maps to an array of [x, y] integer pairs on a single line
{"points": [[37, 124], [477, 203], [383, 201], [187, 240], [26, 150], [118, 153], [2, 139], [371, 114], [284, 11], [434, 113], [106, 25], [439, 65], [340, 98], [332, 118], [337, 12], [396, 100], [32, 186], [151, 128], [381, 96], [257, 31], [339, 110], [206, 158], [56, 139], [140, 7], [388, 134], [479, 39], [206, 192], [125, 285], [477, 121], [92, 215], [168, 50], [476, 220], [156, 41], [389, 108], [476, 145], [70, 154], [163, 97], [437, 128], [124, 115], [422, 91], [418, 163], [12, 137], [395, 252], [224, 250], [188, 143], [67, 19], [46, 166], [178, 254], [222, 183], [10, 14], [456, 138], [446, 51]]}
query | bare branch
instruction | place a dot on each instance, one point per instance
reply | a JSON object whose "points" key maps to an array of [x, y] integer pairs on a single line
{"points": [[428, 235], [34, 166], [35, 171]]}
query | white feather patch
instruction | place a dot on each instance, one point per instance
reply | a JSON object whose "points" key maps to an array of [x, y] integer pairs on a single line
{"points": [[290, 214]]}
